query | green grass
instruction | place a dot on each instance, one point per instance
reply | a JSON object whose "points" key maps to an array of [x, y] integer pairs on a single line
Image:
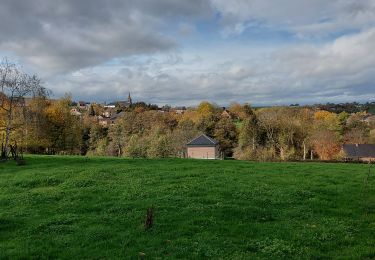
{"points": [[70, 207]]}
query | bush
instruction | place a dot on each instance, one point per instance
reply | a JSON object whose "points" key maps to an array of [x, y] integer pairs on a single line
{"points": [[259, 154], [159, 147], [265, 154], [290, 154], [244, 153], [136, 147], [101, 148]]}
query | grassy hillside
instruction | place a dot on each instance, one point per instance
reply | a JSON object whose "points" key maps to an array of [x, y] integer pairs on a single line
{"points": [[70, 207]]}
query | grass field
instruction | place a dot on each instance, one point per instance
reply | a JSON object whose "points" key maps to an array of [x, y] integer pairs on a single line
{"points": [[77, 208]]}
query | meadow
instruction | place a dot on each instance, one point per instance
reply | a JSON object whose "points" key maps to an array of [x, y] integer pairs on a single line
{"points": [[95, 208]]}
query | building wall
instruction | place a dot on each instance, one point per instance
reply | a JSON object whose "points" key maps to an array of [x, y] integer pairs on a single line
{"points": [[202, 152], [362, 159], [367, 159]]}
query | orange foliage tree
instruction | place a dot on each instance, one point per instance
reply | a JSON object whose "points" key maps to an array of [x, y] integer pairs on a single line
{"points": [[326, 144]]}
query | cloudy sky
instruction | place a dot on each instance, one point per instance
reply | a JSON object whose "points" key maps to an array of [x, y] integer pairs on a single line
{"points": [[180, 52]]}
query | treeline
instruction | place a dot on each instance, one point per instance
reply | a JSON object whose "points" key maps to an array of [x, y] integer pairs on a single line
{"points": [[349, 107], [286, 133], [279, 133]]}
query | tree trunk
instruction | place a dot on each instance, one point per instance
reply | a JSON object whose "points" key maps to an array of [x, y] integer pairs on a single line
{"points": [[119, 151], [8, 130], [304, 151], [253, 143], [282, 156]]}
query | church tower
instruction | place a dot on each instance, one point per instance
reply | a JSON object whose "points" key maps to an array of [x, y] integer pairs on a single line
{"points": [[130, 99]]}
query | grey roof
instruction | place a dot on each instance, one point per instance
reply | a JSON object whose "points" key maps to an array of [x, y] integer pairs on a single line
{"points": [[117, 115], [359, 150], [203, 140]]}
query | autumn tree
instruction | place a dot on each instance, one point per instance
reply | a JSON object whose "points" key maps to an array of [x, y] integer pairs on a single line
{"points": [[326, 143], [241, 112], [159, 146], [136, 147], [37, 125], [305, 130], [98, 137], [248, 139], [117, 139], [206, 109], [327, 120], [64, 128], [185, 132], [225, 133], [15, 85]]}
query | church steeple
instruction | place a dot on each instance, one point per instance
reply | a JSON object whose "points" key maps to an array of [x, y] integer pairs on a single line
{"points": [[130, 99]]}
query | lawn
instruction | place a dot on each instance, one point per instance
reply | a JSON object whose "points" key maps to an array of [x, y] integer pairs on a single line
{"points": [[78, 208]]}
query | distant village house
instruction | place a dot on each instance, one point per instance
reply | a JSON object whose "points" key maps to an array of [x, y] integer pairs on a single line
{"points": [[203, 147], [359, 152]]}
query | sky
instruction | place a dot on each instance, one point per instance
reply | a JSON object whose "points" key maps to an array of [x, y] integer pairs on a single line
{"points": [[179, 52]]}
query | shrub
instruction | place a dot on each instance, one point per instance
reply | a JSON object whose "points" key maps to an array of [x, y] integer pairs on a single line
{"points": [[136, 147], [259, 154], [265, 154]]}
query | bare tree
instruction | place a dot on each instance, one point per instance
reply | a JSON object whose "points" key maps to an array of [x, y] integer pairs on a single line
{"points": [[15, 85]]}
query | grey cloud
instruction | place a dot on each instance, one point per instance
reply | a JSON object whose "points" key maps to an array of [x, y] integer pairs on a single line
{"points": [[341, 70], [66, 35], [73, 43], [305, 18]]}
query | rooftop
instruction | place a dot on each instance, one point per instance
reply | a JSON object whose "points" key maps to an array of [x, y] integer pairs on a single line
{"points": [[359, 150], [203, 140]]}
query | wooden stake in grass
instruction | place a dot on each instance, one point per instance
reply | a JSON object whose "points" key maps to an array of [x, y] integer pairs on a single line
{"points": [[149, 218], [142, 255]]}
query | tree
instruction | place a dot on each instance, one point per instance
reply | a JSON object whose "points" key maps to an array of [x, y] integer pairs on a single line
{"points": [[136, 147], [356, 135], [65, 129], [206, 109], [267, 119], [97, 133], [249, 133], [327, 120], [15, 85], [241, 112], [117, 139], [248, 139], [37, 125], [326, 143], [206, 124], [185, 132], [159, 146], [372, 136], [91, 110], [356, 129], [226, 133], [288, 125], [305, 124]]}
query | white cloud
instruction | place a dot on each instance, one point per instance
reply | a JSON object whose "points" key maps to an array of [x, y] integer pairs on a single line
{"points": [[100, 50], [342, 70], [304, 18]]}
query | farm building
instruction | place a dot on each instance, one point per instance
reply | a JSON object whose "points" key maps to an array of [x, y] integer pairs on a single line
{"points": [[203, 147], [359, 152]]}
